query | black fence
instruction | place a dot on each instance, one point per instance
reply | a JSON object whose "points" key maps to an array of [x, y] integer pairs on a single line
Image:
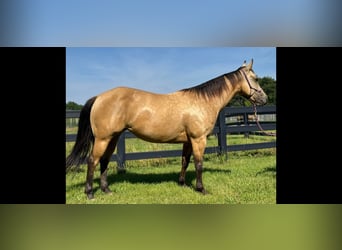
{"points": [[231, 120]]}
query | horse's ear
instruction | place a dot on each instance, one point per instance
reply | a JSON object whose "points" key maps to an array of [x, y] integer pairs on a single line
{"points": [[250, 65], [244, 63]]}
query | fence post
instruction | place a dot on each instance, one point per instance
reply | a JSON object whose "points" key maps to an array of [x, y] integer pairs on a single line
{"points": [[222, 135], [245, 122], [121, 154]]}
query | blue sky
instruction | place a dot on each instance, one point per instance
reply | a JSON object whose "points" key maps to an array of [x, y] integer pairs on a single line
{"points": [[170, 23], [91, 70]]}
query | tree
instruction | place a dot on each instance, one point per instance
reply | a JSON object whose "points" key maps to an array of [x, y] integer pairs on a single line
{"points": [[268, 84], [73, 106]]}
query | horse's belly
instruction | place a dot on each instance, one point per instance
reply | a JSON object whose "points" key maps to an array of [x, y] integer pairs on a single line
{"points": [[160, 135]]}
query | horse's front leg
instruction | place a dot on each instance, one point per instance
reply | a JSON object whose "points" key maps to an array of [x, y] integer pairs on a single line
{"points": [[198, 147], [186, 154]]}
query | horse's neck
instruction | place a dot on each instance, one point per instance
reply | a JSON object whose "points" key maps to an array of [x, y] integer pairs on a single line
{"points": [[226, 96]]}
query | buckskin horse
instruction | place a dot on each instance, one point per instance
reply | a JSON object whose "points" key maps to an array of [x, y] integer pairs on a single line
{"points": [[186, 116]]}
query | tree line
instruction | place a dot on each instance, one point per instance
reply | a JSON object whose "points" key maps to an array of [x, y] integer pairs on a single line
{"points": [[268, 84]]}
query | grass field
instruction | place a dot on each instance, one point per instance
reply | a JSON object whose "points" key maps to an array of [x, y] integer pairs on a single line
{"points": [[242, 177]]}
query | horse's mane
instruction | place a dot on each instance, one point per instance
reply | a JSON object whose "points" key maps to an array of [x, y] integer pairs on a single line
{"points": [[215, 86]]}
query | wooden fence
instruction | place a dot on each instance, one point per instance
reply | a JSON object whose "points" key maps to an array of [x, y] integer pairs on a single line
{"points": [[231, 120]]}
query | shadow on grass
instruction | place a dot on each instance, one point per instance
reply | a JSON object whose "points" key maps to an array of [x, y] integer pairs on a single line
{"points": [[150, 178], [268, 170]]}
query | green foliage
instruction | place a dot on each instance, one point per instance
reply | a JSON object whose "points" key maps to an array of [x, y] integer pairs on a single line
{"points": [[268, 84], [73, 106]]}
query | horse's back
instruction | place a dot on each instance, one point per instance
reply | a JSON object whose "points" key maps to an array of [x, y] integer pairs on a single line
{"points": [[123, 93]]}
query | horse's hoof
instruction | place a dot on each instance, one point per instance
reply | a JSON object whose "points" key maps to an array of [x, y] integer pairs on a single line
{"points": [[202, 190], [90, 196], [182, 183], [106, 190]]}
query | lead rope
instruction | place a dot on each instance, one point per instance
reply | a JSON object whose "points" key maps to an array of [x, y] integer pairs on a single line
{"points": [[259, 126]]}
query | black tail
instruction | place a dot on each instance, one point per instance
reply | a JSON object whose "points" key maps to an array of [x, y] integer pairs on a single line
{"points": [[84, 139]]}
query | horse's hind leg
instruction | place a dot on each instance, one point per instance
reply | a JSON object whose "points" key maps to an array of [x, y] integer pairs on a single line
{"points": [[104, 164], [186, 154], [99, 148]]}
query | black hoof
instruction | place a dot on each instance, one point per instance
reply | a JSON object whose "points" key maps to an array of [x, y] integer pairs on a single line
{"points": [[90, 196], [181, 183], [106, 190], [201, 190]]}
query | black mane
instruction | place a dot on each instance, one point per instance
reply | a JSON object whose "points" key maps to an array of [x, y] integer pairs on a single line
{"points": [[216, 86]]}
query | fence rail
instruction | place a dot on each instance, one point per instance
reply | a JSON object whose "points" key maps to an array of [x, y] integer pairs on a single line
{"points": [[231, 120]]}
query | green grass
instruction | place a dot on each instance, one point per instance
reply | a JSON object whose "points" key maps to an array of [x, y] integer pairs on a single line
{"points": [[244, 177]]}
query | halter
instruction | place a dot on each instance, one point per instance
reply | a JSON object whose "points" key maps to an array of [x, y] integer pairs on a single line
{"points": [[249, 84]]}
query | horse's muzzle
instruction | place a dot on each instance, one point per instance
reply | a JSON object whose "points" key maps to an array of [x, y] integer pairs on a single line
{"points": [[259, 101]]}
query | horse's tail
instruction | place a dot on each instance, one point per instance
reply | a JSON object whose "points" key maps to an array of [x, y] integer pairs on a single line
{"points": [[84, 139]]}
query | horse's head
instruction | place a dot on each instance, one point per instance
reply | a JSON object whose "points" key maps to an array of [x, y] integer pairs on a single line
{"points": [[250, 87]]}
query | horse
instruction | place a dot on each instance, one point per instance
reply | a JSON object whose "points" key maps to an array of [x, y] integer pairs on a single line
{"points": [[186, 116]]}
